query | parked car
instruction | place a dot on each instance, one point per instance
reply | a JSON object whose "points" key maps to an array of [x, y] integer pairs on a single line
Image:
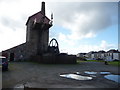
{"points": [[4, 62]]}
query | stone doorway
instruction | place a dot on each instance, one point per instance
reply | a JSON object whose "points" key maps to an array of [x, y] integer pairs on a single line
{"points": [[11, 56]]}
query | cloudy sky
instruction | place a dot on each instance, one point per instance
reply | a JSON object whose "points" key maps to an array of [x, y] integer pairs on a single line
{"points": [[78, 26]]}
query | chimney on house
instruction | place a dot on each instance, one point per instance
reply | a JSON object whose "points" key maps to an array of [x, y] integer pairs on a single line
{"points": [[43, 8]]}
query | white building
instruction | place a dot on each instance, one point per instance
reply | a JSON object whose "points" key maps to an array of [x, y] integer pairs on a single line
{"points": [[82, 55], [110, 55]]}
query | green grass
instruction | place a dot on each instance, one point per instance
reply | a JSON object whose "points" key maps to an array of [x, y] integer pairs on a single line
{"points": [[79, 61], [95, 61], [114, 63]]}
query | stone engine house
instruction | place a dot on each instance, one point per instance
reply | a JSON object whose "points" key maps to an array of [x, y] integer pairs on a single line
{"points": [[37, 38], [36, 47]]}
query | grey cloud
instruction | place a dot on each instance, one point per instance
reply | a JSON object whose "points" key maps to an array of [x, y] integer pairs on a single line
{"points": [[8, 0], [11, 23], [104, 14]]}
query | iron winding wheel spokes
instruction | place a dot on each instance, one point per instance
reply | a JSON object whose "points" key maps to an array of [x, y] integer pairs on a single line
{"points": [[53, 46]]}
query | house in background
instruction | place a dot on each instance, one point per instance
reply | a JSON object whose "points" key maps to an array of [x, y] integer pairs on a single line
{"points": [[101, 55], [82, 55], [91, 55], [110, 55]]}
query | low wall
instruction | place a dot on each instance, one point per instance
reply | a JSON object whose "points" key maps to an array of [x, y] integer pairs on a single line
{"points": [[59, 59]]}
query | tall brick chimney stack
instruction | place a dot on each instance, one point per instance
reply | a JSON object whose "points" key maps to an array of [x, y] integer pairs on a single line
{"points": [[43, 8]]}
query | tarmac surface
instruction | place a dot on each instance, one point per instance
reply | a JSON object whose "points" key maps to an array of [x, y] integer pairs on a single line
{"points": [[35, 75]]}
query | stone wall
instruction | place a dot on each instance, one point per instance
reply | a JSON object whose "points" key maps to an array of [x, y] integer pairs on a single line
{"points": [[59, 59], [20, 52]]}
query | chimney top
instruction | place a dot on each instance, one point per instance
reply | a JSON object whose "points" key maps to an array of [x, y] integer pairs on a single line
{"points": [[43, 8]]}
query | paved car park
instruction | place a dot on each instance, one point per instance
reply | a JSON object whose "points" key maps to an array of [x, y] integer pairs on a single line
{"points": [[35, 75], [0, 77]]}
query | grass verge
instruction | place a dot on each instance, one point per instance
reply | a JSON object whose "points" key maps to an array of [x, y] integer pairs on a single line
{"points": [[114, 63]]}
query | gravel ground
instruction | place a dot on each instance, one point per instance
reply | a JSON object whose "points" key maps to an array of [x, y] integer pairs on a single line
{"points": [[37, 75]]}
